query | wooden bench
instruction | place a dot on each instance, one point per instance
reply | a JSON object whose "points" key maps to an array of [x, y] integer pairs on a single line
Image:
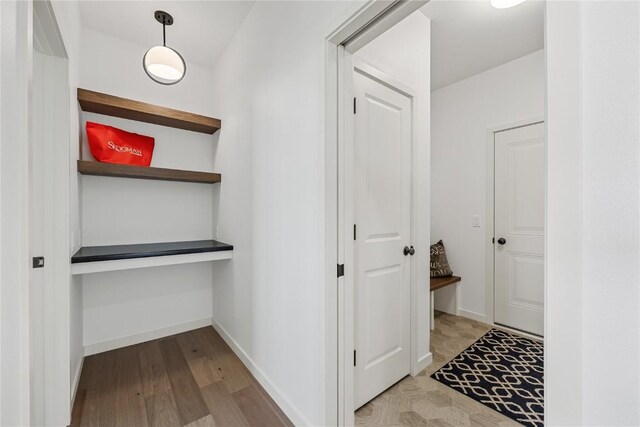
{"points": [[438, 283]]}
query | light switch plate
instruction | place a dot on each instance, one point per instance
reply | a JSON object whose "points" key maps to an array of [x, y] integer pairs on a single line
{"points": [[476, 220]]}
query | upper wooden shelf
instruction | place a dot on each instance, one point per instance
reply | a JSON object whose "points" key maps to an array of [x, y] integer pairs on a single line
{"points": [[96, 102]]}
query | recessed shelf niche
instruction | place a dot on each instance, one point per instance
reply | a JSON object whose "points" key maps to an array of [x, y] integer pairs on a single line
{"points": [[101, 103]]}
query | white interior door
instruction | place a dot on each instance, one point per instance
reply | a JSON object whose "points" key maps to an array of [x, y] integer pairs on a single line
{"points": [[40, 237], [382, 175], [519, 228], [48, 237], [40, 121]]}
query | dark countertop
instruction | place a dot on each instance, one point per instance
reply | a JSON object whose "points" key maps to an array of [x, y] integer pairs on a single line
{"points": [[145, 250]]}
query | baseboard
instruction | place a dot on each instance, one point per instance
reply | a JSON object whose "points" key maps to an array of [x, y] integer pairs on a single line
{"points": [[446, 310], [101, 347], [76, 381], [423, 363], [473, 315], [281, 400]]}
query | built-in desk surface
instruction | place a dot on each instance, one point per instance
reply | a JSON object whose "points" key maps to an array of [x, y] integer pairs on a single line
{"points": [[93, 259]]}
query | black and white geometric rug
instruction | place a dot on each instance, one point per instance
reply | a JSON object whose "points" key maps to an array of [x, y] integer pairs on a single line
{"points": [[502, 371]]}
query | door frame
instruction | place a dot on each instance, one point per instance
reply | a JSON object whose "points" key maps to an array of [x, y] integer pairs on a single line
{"points": [[366, 24], [563, 263], [24, 25], [490, 223], [56, 174]]}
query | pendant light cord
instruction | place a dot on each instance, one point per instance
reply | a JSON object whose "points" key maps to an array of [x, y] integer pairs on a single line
{"points": [[164, 35]]}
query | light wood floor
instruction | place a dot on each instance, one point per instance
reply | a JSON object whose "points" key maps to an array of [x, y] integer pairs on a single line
{"points": [[190, 379], [422, 401]]}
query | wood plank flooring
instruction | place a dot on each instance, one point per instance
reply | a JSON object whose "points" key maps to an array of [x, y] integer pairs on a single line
{"points": [[422, 401], [191, 379]]}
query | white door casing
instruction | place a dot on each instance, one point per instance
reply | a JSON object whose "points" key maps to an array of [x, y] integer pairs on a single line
{"points": [[519, 220], [372, 19], [382, 211], [49, 191]]}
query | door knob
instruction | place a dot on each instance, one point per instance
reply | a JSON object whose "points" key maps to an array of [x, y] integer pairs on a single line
{"points": [[408, 250], [502, 241]]}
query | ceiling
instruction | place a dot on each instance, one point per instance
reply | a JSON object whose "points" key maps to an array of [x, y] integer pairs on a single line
{"points": [[200, 32], [470, 36]]}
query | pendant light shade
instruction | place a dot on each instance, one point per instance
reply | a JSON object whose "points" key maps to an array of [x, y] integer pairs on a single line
{"points": [[161, 63], [164, 65]]}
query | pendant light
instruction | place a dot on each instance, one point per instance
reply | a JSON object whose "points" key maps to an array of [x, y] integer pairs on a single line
{"points": [[161, 63], [505, 4]]}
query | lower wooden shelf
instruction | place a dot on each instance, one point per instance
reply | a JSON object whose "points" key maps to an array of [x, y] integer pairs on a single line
{"points": [[87, 167], [96, 259]]}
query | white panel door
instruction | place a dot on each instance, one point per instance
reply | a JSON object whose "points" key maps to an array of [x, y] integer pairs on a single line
{"points": [[49, 372], [519, 228], [37, 230], [382, 211]]}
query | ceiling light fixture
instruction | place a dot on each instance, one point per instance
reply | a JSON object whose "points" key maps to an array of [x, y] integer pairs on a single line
{"points": [[161, 63], [505, 4]]}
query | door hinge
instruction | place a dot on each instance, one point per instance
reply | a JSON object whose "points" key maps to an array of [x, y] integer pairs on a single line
{"points": [[340, 270], [354, 105], [38, 262], [355, 232], [354, 358], [493, 240]]}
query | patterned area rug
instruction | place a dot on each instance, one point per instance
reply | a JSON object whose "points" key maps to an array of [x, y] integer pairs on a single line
{"points": [[502, 371]]}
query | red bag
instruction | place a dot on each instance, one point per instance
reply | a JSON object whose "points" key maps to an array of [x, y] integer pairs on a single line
{"points": [[113, 145]]}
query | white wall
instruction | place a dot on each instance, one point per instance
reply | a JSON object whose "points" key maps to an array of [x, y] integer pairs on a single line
{"points": [[461, 115], [403, 53], [592, 344], [563, 243], [611, 189], [121, 211], [269, 91], [15, 49]]}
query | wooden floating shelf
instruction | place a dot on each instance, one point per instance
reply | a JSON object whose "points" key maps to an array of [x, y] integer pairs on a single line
{"points": [[86, 167], [101, 103]]}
